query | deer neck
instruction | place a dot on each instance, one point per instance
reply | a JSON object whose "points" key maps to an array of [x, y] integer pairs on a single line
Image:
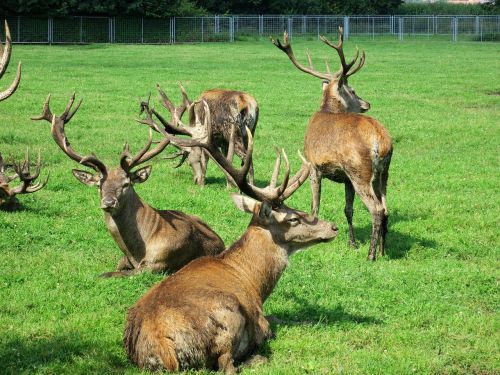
{"points": [[331, 103], [258, 259], [131, 226]]}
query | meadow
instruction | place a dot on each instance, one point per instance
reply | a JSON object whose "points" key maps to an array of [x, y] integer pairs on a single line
{"points": [[431, 305]]}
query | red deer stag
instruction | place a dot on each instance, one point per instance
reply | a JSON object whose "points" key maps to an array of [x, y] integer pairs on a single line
{"points": [[4, 62], [151, 239], [8, 199], [345, 146], [227, 107], [210, 313]]}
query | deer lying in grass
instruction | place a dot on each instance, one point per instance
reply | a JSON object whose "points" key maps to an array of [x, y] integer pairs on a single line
{"points": [[209, 314], [227, 108], [8, 194], [4, 62], [151, 239], [347, 147]]}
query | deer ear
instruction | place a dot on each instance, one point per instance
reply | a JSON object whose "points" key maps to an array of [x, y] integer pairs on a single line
{"points": [[245, 204], [140, 175], [86, 178]]}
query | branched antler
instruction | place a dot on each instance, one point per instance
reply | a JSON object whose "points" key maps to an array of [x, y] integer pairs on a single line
{"points": [[27, 178], [4, 62]]}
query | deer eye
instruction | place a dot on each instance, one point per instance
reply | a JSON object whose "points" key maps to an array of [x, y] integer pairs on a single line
{"points": [[293, 221]]}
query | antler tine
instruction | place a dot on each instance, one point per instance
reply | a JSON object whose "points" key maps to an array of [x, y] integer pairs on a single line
{"points": [[143, 155], [149, 121], [359, 66], [339, 47], [185, 99], [298, 179], [276, 170], [4, 62], [46, 113], [287, 48], [23, 171]]}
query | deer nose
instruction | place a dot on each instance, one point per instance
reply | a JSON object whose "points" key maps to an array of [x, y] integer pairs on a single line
{"points": [[334, 228], [365, 106], [108, 203]]}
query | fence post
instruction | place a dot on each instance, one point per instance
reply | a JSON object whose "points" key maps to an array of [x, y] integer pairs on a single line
{"points": [[400, 28], [81, 29], [49, 30], [477, 25], [289, 23], [231, 29], [454, 29], [202, 30], [173, 30], [346, 27], [261, 25], [142, 30]]}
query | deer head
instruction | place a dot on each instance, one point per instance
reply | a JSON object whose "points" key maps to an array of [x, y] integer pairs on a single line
{"points": [[115, 184], [22, 170], [338, 96], [291, 229], [4, 62]]}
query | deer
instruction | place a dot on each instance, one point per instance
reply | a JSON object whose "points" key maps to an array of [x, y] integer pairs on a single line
{"points": [[210, 313], [228, 108], [4, 63], [150, 239], [21, 170], [345, 146]]}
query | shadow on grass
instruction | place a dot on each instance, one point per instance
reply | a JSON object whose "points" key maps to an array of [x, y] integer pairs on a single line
{"points": [[397, 244], [29, 355], [317, 315]]}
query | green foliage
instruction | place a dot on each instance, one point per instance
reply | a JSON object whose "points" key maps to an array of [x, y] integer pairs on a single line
{"points": [[431, 306], [444, 8]]}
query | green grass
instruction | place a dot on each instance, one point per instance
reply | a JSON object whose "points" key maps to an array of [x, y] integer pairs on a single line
{"points": [[430, 306]]}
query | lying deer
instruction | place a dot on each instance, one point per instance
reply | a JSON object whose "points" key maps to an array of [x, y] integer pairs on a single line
{"points": [[22, 170], [227, 108], [4, 62], [151, 239], [209, 314], [347, 147]]}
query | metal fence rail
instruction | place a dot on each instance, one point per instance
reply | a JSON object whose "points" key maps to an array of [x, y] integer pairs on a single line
{"points": [[75, 30]]}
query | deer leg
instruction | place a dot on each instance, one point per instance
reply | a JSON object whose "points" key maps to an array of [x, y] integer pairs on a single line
{"points": [[348, 210], [195, 161], [315, 178], [383, 189], [124, 264], [226, 363]]}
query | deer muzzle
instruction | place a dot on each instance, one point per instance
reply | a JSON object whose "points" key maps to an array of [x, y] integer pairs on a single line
{"points": [[365, 106], [109, 203]]}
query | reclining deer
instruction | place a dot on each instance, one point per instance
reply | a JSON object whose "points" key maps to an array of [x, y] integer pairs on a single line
{"points": [[210, 313], [228, 108], [4, 62], [8, 194], [151, 239], [347, 147]]}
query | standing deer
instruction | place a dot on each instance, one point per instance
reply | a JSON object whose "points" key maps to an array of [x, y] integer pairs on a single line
{"points": [[8, 199], [151, 239], [227, 108], [347, 147], [4, 62], [210, 313]]}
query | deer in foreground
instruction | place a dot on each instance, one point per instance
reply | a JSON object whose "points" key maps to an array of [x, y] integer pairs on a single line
{"points": [[22, 170], [227, 108], [345, 146], [210, 314], [150, 239], [4, 62]]}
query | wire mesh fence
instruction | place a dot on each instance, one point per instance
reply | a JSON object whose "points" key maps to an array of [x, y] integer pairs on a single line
{"points": [[75, 30]]}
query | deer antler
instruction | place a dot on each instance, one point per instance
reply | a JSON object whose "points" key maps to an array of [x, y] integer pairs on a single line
{"points": [[345, 71], [4, 62], [346, 67], [129, 161], [23, 172], [273, 194], [287, 48], [59, 135]]}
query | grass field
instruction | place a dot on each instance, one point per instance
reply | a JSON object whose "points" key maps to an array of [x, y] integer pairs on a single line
{"points": [[431, 305]]}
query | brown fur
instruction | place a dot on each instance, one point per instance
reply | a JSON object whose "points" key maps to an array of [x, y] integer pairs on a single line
{"points": [[227, 107], [209, 314], [352, 149], [150, 239]]}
